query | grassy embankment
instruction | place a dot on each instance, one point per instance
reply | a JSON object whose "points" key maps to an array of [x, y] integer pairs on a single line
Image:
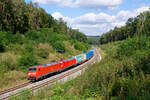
{"points": [[122, 74], [18, 52]]}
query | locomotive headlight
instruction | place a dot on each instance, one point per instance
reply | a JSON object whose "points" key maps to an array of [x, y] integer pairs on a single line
{"points": [[29, 73], [33, 73]]}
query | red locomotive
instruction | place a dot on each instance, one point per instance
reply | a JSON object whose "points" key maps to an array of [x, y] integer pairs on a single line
{"points": [[40, 71]]}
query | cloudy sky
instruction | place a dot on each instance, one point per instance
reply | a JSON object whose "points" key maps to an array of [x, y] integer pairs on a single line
{"points": [[94, 17]]}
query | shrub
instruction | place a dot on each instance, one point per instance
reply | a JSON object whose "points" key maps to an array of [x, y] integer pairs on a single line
{"points": [[8, 62], [2, 48], [57, 37], [28, 48], [25, 95], [27, 60], [79, 46], [33, 35], [59, 46], [6, 37], [17, 38], [87, 46], [9, 38], [43, 53], [131, 45]]}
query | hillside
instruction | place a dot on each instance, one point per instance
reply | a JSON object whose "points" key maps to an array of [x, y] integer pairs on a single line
{"points": [[122, 74], [19, 52], [30, 36]]}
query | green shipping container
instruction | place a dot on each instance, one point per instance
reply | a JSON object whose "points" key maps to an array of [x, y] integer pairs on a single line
{"points": [[80, 58]]}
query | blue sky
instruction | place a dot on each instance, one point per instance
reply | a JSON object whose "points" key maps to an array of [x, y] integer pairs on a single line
{"points": [[94, 17]]}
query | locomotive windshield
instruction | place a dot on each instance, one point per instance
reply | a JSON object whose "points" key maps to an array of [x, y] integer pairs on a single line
{"points": [[32, 69]]}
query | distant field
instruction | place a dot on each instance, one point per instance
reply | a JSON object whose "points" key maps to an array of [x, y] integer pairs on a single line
{"points": [[95, 37]]}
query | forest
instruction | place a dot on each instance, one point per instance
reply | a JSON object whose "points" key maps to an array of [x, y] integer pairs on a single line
{"points": [[138, 26], [18, 17]]}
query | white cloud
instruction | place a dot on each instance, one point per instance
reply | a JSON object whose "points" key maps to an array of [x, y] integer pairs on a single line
{"points": [[57, 15], [142, 9], [88, 4], [96, 24], [95, 4]]}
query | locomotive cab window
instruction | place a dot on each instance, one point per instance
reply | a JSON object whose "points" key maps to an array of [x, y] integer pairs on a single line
{"points": [[32, 69]]}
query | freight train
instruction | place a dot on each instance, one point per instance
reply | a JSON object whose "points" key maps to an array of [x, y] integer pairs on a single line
{"points": [[41, 71]]}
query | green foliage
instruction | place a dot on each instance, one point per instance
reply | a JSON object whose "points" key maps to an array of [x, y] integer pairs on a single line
{"points": [[18, 16], [131, 46], [25, 95], [134, 27], [81, 37], [2, 48], [8, 62], [9, 38], [79, 46], [59, 46], [6, 37], [27, 60], [25, 46], [32, 35], [28, 48], [17, 38], [43, 53], [93, 40], [57, 37]]}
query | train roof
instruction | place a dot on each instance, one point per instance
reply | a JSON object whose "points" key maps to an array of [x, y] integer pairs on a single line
{"points": [[69, 59], [35, 66], [49, 64]]}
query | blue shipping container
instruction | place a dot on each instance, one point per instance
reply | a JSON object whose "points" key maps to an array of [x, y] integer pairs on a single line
{"points": [[89, 54]]}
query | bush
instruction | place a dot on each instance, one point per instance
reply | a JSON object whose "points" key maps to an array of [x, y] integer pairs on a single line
{"points": [[27, 60], [57, 37], [28, 48], [79, 46], [6, 37], [131, 45], [8, 62], [43, 53], [59, 46], [2, 48], [25, 95], [32, 35], [17, 38], [9, 38]]}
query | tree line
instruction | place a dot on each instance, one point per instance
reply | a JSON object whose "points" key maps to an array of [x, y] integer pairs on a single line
{"points": [[137, 26], [17, 16]]}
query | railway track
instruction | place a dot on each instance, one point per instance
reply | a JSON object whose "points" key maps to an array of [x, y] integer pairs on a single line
{"points": [[47, 82], [14, 88]]}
